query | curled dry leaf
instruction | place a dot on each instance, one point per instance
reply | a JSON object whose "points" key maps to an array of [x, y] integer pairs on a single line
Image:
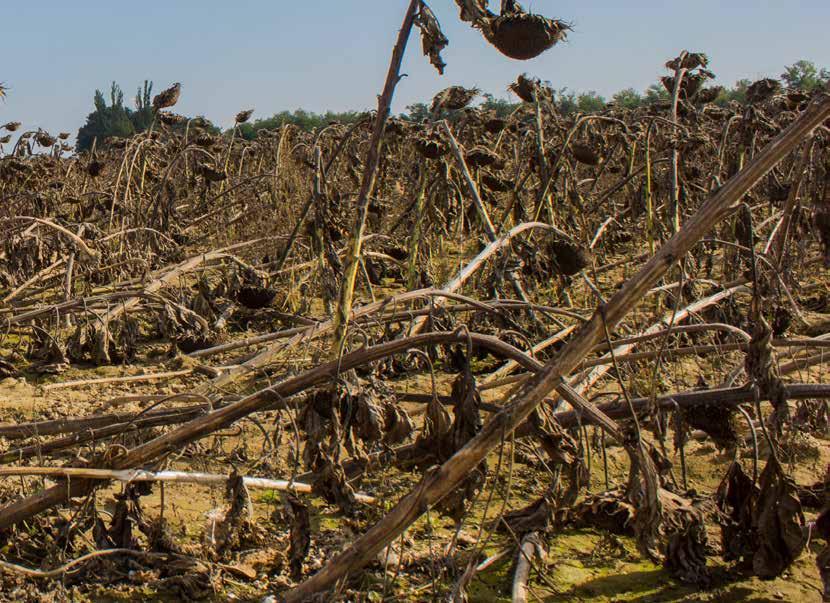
{"points": [[330, 483], [473, 11], [433, 40], [779, 523], [300, 536], [604, 511], [736, 498]]}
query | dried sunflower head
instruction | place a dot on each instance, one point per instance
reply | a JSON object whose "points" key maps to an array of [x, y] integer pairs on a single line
{"points": [[453, 98], [203, 139], [210, 174], [708, 95], [244, 116], [583, 153], [483, 157], [495, 124], [44, 139], [430, 145], [762, 90], [167, 98], [11, 126], [94, 168], [527, 88], [170, 119], [521, 35]]}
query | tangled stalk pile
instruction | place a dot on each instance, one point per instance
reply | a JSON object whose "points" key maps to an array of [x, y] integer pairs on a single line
{"points": [[446, 314]]}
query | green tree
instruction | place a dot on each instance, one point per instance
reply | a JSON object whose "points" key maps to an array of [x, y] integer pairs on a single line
{"points": [[143, 115], [737, 93], [568, 101], [416, 112], [106, 121], [627, 99], [655, 94], [305, 120], [590, 102], [502, 107], [804, 75]]}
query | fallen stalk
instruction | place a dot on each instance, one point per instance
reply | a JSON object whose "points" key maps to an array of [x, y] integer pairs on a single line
{"points": [[438, 482], [179, 477]]}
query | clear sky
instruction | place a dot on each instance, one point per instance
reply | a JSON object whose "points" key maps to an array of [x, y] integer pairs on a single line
{"points": [[332, 54]]}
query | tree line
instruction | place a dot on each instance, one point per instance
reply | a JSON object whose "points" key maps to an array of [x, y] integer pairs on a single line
{"points": [[117, 120]]}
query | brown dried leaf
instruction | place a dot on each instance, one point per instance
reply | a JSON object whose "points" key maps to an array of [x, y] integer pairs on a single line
{"points": [[330, 483], [300, 540], [433, 40], [736, 497], [779, 523], [473, 11]]}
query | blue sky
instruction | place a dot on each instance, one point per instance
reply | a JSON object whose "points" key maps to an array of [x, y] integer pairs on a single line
{"points": [[333, 54]]}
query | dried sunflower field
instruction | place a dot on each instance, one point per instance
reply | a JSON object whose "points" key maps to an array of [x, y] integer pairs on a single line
{"points": [[541, 357]]}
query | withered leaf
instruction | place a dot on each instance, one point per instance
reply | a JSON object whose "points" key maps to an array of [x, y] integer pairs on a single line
{"points": [[779, 523], [300, 539], [433, 40], [736, 498]]}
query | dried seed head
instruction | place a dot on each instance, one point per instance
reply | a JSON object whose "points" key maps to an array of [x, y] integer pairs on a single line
{"points": [[453, 98], [5, 139], [94, 168], [44, 139], [523, 36], [692, 60], [483, 157], [526, 87], [708, 95], [494, 125], [762, 90], [63, 135], [496, 184], [244, 116], [11, 126], [430, 146], [584, 154], [210, 174], [170, 119], [204, 139], [167, 98]]}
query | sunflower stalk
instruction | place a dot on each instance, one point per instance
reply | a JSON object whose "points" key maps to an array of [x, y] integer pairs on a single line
{"points": [[352, 260], [438, 482], [415, 237]]}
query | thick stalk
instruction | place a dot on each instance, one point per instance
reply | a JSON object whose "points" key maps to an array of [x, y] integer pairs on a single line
{"points": [[778, 239], [674, 202], [341, 316], [440, 481], [417, 231]]}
